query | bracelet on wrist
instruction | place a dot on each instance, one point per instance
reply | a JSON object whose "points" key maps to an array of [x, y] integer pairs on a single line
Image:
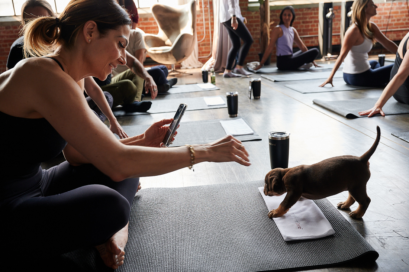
{"points": [[192, 156]]}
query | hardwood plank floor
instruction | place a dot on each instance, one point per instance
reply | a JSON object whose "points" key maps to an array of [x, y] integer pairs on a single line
{"points": [[316, 134]]}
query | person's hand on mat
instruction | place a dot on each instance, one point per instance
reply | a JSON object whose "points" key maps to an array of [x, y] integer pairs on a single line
{"points": [[375, 110], [234, 23], [155, 134], [315, 64], [225, 149], [258, 67], [150, 86], [116, 128], [328, 81]]}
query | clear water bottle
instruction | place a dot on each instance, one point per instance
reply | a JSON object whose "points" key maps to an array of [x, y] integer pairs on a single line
{"points": [[213, 77]]}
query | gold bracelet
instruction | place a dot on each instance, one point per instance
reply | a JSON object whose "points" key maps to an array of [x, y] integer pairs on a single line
{"points": [[192, 156]]}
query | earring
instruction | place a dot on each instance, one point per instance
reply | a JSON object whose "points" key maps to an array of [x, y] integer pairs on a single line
{"points": [[89, 40]]}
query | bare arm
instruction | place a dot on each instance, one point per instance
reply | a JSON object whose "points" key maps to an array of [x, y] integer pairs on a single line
{"points": [[299, 42], [67, 111], [274, 35], [382, 39], [351, 38], [390, 89], [138, 69], [140, 55], [96, 93]]}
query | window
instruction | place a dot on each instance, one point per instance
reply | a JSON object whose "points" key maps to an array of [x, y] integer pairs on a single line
{"points": [[13, 7]]}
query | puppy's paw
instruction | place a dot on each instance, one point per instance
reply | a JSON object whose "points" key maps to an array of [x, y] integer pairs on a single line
{"points": [[355, 215], [273, 213], [342, 206]]}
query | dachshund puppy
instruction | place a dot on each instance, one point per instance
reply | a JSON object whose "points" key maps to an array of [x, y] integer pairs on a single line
{"points": [[323, 179]]}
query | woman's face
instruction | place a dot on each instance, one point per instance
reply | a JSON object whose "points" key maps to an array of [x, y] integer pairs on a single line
{"points": [[370, 9], [35, 12], [287, 17], [109, 51]]}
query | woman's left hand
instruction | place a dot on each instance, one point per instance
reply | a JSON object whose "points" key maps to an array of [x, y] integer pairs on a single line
{"points": [[155, 134], [116, 128]]}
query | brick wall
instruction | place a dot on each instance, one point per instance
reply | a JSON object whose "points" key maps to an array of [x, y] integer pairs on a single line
{"points": [[306, 24]]}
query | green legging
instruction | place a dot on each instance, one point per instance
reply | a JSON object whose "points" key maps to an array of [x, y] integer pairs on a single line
{"points": [[125, 88]]}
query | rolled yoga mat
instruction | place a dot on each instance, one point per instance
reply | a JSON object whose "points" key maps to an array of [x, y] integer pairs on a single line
{"points": [[350, 108], [196, 132], [312, 86], [296, 76], [404, 136], [189, 88], [171, 105], [225, 228]]}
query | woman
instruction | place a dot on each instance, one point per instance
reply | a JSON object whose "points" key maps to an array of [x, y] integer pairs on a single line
{"points": [[398, 87], [358, 41], [100, 102], [232, 19], [283, 36], [86, 200]]}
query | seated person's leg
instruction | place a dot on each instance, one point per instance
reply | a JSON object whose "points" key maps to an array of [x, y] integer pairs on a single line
{"points": [[96, 109], [159, 77], [171, 81], [377, 78], [374, 64], [137, 81], [300, 58]]}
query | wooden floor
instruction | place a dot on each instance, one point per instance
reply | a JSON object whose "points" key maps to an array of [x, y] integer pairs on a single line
{"points": [[316, 134]]}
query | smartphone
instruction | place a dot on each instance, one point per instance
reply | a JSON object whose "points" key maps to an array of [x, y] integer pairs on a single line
{"points": [[173, 126]]}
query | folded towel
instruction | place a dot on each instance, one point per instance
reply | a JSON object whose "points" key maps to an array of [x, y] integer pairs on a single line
{"points": [[304, 221]]}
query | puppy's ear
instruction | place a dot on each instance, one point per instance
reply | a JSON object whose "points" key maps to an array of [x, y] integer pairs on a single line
{"points": [[278, 183]]}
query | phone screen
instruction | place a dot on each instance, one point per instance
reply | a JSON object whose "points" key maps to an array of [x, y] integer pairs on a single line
{"points": [[174, 124]]}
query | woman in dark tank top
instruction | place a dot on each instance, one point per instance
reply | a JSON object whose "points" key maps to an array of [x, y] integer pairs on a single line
{"points": [[398, 87]]}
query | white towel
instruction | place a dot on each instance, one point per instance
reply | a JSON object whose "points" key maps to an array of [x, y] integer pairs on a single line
{"points": [[214, 100], [236, 127], [304, 221], [206, 86]]}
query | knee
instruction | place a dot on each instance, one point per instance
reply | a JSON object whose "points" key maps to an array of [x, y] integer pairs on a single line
{"points": [[128, 87], [250, 41], [115, 207]]}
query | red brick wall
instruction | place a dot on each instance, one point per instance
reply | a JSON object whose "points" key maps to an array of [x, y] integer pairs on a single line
{"points": [[306, 24]]}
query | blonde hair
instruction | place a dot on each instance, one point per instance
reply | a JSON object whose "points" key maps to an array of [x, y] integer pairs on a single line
{"points": [[42, 34], [359, 18]]}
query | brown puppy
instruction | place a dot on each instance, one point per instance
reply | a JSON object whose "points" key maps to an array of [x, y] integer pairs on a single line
{"points": [[323, 179]]}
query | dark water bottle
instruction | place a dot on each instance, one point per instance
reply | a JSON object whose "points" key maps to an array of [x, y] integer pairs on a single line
{"points": [[279, 143], [205, 76], [232, 103]]}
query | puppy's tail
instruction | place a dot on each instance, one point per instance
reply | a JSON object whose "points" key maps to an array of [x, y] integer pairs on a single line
{"points": [[365, 157]]}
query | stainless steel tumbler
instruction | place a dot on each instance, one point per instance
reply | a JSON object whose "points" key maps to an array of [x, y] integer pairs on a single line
{"points": [[279, 143]]}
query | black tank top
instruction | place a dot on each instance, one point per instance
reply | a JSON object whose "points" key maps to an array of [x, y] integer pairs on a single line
{"points": [[24, 144]]}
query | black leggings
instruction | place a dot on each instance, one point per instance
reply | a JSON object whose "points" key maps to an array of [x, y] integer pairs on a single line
{"points": [[235, 35], [69, 208], [294, 61]]}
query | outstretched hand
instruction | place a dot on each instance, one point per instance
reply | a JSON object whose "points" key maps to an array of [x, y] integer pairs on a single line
{"points": [[150, 86], [227, 149], [116, 128], [155, 134], [328, 81], [372, 112]]}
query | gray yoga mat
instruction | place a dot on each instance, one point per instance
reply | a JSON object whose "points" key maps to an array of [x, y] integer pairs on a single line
{"points": [[297, 76], [350, 108], [312, 86], [272, 69], [171, 105], [189, 88], [196, 132], [404, 136], [225, 228]]}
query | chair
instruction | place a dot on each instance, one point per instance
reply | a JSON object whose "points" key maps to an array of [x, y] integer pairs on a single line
{"points": [[177, 34]]}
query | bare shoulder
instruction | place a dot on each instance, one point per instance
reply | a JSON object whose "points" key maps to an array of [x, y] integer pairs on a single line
{"points": [[277, 31]]}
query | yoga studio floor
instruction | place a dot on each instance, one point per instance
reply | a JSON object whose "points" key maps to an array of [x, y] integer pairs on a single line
{"points": [[316, 134]]}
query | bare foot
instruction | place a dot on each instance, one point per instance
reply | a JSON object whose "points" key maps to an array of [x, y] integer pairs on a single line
{"points": [[112, 252]]}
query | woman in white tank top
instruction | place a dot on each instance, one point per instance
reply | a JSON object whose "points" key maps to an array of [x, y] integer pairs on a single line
{"points": [[358, 41]]}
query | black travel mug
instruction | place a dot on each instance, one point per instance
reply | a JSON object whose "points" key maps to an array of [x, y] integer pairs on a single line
{"points": [[256, 86], [205, 76], [232, 103], [279, 143], [381, 59]]}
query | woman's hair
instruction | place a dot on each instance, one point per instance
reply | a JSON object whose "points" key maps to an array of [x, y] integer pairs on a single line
{"points": [[32, 4], [359, 18], [281, 15], [42, 34]]}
